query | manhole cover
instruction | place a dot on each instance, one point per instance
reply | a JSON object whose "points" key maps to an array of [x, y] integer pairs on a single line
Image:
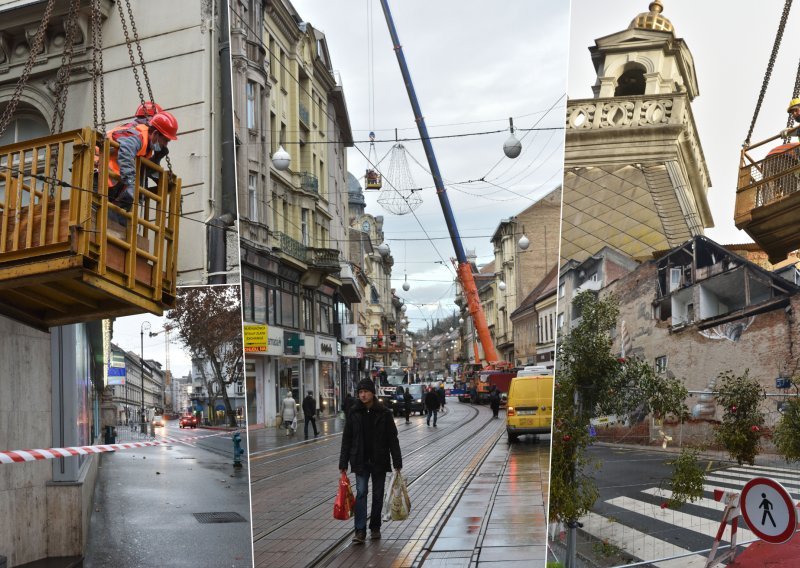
{"points": [[219, 518]]}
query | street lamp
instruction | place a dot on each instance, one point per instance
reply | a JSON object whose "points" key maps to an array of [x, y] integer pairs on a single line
{"points": [[281, 159], [145, 325]]}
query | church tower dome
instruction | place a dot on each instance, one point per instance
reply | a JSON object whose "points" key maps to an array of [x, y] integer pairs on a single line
{"points": [[652, 20]]}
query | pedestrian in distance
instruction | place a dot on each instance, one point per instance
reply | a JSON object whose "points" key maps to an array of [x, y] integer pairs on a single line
{"points": [[371, 447], [442, 396], [349, 400], [288, 412], [473, 395], [408, 398], [310, 413], [431, 406], [494, 401]]}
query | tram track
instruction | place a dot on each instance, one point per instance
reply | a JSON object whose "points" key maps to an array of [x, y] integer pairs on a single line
{"points": [[314, 447], [410, 481]]}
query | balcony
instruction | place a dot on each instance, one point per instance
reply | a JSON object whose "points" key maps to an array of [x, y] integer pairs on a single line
{"points": [[593, 285], [309, 183], [304, 115], [350, 289], [292, 248], [325, 258], [255, 52]]}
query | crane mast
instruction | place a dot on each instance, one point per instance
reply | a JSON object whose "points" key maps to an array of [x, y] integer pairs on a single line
{"points": [[464, 269]]}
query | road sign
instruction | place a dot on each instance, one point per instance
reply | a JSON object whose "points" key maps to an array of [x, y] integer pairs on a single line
{"points": [[768, 510]]}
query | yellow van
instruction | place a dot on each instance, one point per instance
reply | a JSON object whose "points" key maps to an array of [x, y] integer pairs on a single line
{"points": [[530, 403]]}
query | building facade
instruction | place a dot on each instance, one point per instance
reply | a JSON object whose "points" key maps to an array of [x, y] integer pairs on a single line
{"points": [[294, 219], [635, 176]]}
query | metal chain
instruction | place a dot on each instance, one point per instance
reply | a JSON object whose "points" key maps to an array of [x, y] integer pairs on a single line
{"points": [[65, 71], [130, 52], [795, 93], [776, 46], [5, 119], [139, 49], [97, 67]]}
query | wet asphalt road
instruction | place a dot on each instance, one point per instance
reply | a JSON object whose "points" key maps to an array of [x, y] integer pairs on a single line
{"points": [[145, 500]]}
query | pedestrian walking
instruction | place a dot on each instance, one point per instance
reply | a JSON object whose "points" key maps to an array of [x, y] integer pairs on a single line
{"points": [[431, 406], [442, 396], [408, 398], [289, 412], [349, 400], [310, 413], [370, 446], [494, 401]]}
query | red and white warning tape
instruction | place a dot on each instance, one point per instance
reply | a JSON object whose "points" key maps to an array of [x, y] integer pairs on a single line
{"points": [[20, 456]]}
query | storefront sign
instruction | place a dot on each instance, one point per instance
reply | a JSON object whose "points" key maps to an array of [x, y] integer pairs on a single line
{"points": [[293, 342], [349, 331], [349, 350], [116, 375], [255, 338], [361, 341], [326, 349]]}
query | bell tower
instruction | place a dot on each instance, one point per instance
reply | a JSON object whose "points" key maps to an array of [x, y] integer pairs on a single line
{"points": [[635, 177]]}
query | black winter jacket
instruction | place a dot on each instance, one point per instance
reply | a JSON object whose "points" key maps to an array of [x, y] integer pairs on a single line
{"points": [[432, 401], [386, 443], [309, 406]]}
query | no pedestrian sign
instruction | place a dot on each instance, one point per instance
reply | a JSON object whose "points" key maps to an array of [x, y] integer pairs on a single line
{"points": [[768, 510]]}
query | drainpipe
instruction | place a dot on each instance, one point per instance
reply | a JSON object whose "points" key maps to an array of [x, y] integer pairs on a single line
{"points": [[217, 239]]}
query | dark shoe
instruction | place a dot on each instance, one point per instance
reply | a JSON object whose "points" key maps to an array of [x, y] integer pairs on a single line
{"points": [[429, 423], [375, 534], [360, 537], [316, 434], [434, 425]]}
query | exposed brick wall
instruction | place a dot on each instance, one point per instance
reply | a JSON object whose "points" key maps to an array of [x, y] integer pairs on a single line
{"points": [[767, 346]]}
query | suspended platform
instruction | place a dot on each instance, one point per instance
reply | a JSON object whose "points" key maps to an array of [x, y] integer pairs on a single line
{"points": [[768, 198], [62, 260]]}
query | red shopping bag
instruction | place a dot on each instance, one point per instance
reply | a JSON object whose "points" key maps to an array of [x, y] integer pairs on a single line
{"points": [[345, 501]]}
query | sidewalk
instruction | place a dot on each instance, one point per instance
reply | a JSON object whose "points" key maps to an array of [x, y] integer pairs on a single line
{"points": [[263, 439]]}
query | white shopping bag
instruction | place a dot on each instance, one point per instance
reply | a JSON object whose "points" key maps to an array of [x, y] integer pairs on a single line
{"points": [[396, 502]]}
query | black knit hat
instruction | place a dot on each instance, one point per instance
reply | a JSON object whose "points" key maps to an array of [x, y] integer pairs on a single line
{"points": [[366, 384]]}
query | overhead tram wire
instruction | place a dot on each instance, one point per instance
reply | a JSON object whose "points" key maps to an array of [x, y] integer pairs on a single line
{"points": [[65, 184], [412, 212], [323, 111]]}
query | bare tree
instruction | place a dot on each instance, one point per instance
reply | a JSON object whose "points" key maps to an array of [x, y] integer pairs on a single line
{"points": [[209, 321]]}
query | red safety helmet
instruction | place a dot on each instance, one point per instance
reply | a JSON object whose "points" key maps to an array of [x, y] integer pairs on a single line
{"points": [[166, 124], [148, 109]]}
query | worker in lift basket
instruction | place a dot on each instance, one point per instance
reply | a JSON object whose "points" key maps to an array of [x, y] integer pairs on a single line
{"points": [[794, 112], [145, 139]]}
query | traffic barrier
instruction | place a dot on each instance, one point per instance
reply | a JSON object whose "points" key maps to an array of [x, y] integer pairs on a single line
{"points": [[21, 456]]}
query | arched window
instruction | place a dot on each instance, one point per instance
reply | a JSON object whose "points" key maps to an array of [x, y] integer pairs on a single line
{"points": [[26, 124], [631, 82]]}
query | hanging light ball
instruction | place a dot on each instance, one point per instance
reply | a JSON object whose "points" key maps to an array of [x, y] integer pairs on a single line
{"points": [[383, 249], [403, 308], [460, 321], [524, 242], [406, 288], [501, 286], [281, 159], [512, 147]]}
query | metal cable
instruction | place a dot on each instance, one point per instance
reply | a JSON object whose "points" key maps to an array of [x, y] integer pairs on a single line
{"points": [[775, 47]]}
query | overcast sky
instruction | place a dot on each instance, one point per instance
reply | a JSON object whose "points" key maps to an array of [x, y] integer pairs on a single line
{"points": [[731, 43], [473, 66], [127, 335]]}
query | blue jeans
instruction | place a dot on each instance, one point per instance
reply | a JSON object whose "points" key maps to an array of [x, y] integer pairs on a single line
{"points": [[378, 482], [435, 414]]}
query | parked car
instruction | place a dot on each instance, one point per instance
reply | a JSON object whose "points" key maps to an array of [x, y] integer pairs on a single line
{"points": [[158, 420], [188, 421], [398, 404]]}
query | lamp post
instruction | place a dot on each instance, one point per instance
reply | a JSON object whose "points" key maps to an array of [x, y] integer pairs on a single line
{"points": [[145, 325]]}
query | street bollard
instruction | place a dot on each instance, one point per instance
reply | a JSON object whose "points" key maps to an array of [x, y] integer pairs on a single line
{"points": [[237, 450]]}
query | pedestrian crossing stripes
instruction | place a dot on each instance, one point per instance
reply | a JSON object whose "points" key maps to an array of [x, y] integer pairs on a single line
{"points": [[642, 526]]}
